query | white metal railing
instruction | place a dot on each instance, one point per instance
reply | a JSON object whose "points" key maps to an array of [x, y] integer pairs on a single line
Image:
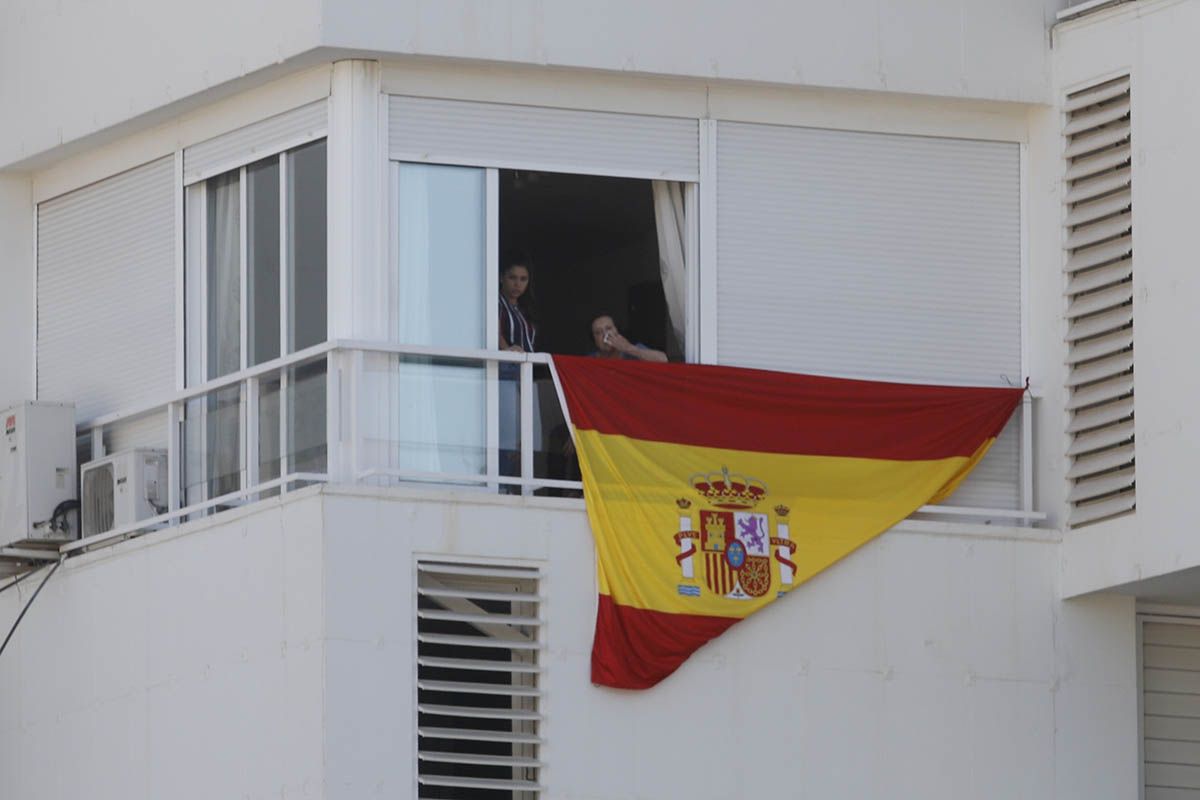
{"points": [[357, 428]]}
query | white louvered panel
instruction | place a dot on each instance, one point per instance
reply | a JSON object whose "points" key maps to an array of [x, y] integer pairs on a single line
{"points": [[1101, 461], [1100, 392], [1097, 115], [106, 292], [1087, 280], [1101, 369], [1100, 346], [1107, 508], [1083, 212], [1097, 94], [1101, 300], [1171, 710], [1096, 416], [492, 134], [1100, 324], [1100, 230], [256, 141], [1101, 438], [1101, 166], [1100, 254], [1099, 240], [1094, 486], [478, 715], [873, 255], [1091, 142]]}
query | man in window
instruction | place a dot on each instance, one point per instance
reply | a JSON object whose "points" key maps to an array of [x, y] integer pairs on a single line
{"points": [[611, 344]]}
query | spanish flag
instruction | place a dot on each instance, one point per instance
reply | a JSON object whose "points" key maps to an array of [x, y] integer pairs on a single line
{"points": [[712, 491]]}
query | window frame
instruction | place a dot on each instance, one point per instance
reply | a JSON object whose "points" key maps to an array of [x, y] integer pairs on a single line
{"points": [[193, 319]]}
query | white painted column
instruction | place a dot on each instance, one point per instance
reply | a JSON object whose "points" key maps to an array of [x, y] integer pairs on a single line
{"points": [[18, 299], [359, 275]]}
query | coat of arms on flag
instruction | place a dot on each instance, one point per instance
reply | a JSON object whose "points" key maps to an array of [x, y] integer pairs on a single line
{"points": [[741, 559]]}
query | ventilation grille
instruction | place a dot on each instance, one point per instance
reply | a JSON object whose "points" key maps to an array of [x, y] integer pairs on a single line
{"points": [[1099, 242], [478, 694], [98, 494]]}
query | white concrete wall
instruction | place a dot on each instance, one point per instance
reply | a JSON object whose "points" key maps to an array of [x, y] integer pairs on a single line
{"points": [[271, 654], [17, 292], [1151, 41], [929, 664], [179, 665], [71, 69]]}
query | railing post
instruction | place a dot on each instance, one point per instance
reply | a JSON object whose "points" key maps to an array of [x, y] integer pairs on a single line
{"points": [[1027, 456], [174, 458], [97, 442], [492, 422], [526, 426]]}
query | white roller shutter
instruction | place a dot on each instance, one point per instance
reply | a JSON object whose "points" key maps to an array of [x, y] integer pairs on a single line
{"points": [[555, 139], [249, 144], [106, 292], [1170, 711], [876, 256], [1099, 244]]}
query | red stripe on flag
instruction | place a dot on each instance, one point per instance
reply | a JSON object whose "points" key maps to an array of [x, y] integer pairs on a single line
{"points": [[778, 412], [635, 648]]}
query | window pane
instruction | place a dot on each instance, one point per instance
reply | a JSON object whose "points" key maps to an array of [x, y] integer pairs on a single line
{"points": [[268, 433], [224, 276], [442, 256], [262, 221], [306, 418], [306, 246]]}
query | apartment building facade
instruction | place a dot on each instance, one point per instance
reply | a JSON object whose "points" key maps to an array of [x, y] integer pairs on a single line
{"points": [[263, 244]]}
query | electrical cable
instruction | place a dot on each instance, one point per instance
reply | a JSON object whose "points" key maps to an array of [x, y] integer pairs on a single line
{"points": [[21, 616]]}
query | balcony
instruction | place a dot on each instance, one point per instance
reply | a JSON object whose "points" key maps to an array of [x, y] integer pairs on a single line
{"points": [[381, 414]]}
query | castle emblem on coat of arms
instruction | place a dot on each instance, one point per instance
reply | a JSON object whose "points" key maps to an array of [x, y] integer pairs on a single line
{"points": [[736, 548]]}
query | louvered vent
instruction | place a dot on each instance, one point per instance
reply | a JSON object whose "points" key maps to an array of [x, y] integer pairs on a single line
{"points": [[1099, 245], [478, 695], [99, 510], [1171, 710]]}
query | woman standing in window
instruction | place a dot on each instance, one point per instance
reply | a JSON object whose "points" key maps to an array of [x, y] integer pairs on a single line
{"points": [[516, 300]]}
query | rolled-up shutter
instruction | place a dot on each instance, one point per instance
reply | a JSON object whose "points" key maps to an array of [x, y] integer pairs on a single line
{"points": [[1170, 710], [244, 145], [878, 256], [528, 137], [106, 292]]}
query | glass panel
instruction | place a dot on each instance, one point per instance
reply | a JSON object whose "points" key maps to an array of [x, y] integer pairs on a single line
{"points": [[224, 276], [435, 418], [262, 222], [306, 246], [269, 451], [441, 255], [554, 452], [212, 445], [306, 418]]}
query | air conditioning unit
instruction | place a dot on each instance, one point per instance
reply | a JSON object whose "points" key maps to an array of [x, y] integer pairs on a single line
{"points": [[122, 489], [37, 474]]}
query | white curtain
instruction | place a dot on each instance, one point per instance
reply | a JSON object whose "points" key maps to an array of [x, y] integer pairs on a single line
{"points": [[224, 332], [669, 220]]}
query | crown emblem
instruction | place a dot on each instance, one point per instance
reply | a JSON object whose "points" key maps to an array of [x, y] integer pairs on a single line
{"points": [[782, 510], [683, 503], [728, 491]]}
